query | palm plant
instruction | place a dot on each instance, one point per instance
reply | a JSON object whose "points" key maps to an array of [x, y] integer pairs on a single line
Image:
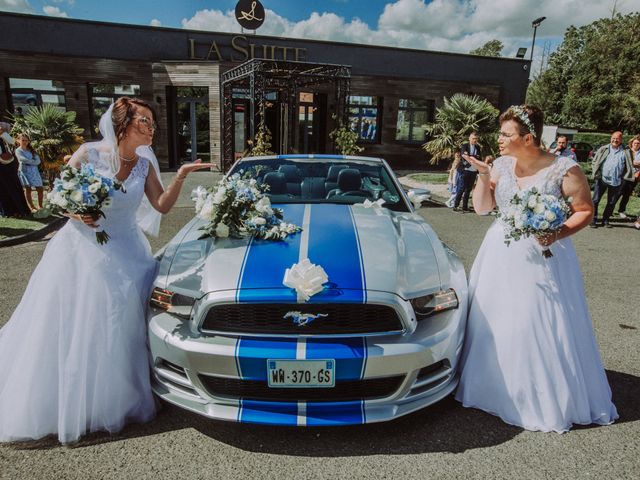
{"points": [[53, 134], [455, 120]]}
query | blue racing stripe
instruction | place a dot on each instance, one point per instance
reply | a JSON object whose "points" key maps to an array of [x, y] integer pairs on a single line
{"points": [[333, 244], [267, 260], [338, 413], [349, 354], [252, 354], [270, 413]]}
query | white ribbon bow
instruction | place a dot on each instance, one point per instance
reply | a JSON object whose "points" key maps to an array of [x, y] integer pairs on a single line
{"points": [[375, 206], [417, 199], [306, 278]]}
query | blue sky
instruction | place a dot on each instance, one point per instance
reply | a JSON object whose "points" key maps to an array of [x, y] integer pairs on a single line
{"points": [[171, 12], [442, 25]]}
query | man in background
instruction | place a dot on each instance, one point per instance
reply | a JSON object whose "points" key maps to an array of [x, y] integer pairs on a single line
{"points": [[467, 173], [611, 165], [562, 149]]}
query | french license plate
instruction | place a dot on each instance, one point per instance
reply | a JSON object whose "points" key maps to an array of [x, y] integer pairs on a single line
{"points": [[301, 373]]}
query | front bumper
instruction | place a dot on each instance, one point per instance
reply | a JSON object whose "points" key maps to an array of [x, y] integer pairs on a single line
{"points": [[423, 363]]}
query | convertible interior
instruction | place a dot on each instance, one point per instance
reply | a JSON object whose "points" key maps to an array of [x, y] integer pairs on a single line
{"points": [[325, 182]]}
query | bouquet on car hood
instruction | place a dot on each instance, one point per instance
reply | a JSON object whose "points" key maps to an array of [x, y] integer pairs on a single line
{"points": [[82, 191], [533, 213], [237, 207]]}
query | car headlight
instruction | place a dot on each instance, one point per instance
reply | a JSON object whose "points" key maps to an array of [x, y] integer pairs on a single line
{"points": [[434, 303], [172, 302]]}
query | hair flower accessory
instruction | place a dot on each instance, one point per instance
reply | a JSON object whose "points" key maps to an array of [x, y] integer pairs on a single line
{"points": [[522, 114], [306, 278]]}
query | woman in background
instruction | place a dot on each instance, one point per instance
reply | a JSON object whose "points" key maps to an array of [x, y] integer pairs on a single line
{"points": [[12, 201], [28, 171]]}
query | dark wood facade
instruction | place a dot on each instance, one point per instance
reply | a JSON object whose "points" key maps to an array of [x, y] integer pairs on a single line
{"points": [[159, 60]]}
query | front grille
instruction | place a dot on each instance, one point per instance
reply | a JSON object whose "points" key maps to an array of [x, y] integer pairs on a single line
{"points": [[268, 318], [343, 391]]}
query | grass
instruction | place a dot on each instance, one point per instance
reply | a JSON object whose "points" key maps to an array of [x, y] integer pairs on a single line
{"points": [[12, 227], [433, 178]]}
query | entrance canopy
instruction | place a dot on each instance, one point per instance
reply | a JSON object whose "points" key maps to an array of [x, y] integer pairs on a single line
{"points": [[257, 77]]}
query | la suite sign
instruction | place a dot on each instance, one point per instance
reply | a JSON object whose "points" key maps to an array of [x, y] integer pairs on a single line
{"points": [[241, 49]]}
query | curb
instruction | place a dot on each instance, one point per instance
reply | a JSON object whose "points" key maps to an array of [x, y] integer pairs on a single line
{"points": [[34, 235]]}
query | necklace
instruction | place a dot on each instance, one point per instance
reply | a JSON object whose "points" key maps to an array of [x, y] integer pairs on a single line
{"points": [[128, 160]]}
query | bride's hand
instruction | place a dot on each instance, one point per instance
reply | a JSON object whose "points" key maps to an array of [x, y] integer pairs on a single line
{"points": [[547, 239], [187, 168], [482, 167], [87, 219]]}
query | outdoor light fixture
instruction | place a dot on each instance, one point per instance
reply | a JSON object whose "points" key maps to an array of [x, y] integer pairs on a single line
{"points": [[535, 24], [521, 52]]}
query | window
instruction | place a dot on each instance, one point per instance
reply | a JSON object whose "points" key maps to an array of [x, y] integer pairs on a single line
{"points": [[101, 95], [412, 116], [29, 93], [364, 117]]}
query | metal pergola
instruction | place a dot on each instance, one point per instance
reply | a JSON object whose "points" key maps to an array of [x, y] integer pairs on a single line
{"points": [[258, 76]]}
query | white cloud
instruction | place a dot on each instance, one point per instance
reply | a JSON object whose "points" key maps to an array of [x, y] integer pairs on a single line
{"points": [[155, 23], [17, 6], [54, 11], [444, 25]]}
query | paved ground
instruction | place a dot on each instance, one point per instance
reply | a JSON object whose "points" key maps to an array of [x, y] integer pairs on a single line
{"points": [[443, 441]]}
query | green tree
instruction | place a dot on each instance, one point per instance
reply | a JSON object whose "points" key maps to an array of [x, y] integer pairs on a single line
{"points": [[455, 120], [345, 139], [592, 79], [260, 146], [493, 48], [53, 134]]}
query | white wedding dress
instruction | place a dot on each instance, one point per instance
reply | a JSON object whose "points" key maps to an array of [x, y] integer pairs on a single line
{"points": [[530, 355], [73, 356]]}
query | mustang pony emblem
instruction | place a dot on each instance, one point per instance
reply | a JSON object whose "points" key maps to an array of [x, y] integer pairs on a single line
{"points": [[301, 319]]}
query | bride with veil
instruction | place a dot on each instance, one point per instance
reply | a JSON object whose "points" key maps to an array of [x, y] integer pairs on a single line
{"points": [[73, 355]]}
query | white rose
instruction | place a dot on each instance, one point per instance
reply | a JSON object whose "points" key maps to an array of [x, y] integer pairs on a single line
{"points": [[532, 202], [94, 187], [539, 208], [76, 196], [263, 205], [544, 225], [220, 195], [549, 215], [208, 210], [63, 202], [259, 221], [222, 230], [69, 184]]}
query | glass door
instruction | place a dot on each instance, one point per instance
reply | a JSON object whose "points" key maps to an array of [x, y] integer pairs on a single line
{"points": [[192, 122]]}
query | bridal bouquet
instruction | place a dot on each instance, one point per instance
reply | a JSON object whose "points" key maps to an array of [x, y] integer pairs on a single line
{"points": [[533, 213], [82, 191], [237, 208]]}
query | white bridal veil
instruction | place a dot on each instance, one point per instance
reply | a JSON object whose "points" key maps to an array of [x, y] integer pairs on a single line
{"points": [[148, 218]]}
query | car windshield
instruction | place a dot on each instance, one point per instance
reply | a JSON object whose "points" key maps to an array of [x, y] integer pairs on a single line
{"points": [[333, 180]]}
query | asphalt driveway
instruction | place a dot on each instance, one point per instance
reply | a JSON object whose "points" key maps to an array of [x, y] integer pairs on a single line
{"points": [[443, 441]]}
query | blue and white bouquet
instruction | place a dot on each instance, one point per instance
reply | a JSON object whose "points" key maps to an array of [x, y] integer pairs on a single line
{"points": [[533, 213], [237, 207], [82, 191]]}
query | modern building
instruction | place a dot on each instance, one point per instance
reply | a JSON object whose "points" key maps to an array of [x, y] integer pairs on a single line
{"points": [[389, 93]]}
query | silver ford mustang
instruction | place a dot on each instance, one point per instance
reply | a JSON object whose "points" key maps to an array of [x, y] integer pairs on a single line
{"points": [[229, 341]]}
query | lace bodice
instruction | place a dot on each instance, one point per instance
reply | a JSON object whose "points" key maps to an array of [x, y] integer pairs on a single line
{"points": [[121, 214], [548, 180]]}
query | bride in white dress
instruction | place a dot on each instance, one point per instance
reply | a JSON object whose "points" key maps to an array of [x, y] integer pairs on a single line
{"points": [[530, 355], [73, 356]]}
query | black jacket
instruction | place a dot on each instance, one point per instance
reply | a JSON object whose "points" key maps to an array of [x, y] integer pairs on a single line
{"points": [[464, 150]]}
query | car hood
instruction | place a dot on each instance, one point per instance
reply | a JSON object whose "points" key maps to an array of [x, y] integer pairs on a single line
{"points": [[361, 249]]}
